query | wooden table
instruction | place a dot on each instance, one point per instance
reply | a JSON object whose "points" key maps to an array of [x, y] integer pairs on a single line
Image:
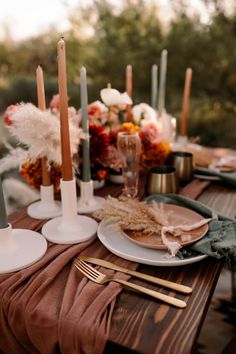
{"points": [[144, 325]]}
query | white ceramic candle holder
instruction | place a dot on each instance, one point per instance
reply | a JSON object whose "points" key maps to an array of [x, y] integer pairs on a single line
{"points": [[46, 207], [69, 228], [87, 202], [20, 248]]}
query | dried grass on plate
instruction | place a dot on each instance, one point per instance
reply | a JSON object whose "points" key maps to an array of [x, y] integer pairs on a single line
{"points": [[130, 214]]}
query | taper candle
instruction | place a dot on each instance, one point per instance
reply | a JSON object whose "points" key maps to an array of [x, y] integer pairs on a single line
{"points": [[162, 87], [86, 173], [46, 181], [3, 214], [154, 81], [185, 105], [129, 89], [129, 80], [67, 174]]}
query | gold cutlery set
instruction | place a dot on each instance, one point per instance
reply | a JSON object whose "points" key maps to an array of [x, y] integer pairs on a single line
{"points": [[96, 276]]}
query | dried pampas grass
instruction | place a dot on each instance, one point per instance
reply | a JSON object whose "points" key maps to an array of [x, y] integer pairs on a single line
{"points": [[40, 131], [130, 214], [13, 160]]}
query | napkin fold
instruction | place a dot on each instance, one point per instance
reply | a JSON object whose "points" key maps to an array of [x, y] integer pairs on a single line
{"points": [[229, 177], [220, 240]]}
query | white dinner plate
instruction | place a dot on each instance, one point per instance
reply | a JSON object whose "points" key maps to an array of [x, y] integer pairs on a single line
{"points": [[120, 245]]}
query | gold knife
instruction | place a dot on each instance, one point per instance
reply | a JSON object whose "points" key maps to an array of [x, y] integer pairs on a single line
{"points": [[166, 283]]}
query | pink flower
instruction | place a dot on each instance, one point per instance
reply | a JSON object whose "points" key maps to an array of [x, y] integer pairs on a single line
{"points": [[54, 103], [152, 132], [97, 113], [9, 111], [96, 109]]}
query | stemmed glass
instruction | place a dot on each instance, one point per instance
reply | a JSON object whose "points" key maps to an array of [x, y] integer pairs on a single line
{"points": [[129, 148]]}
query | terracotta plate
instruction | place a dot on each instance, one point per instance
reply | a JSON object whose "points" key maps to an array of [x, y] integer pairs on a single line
{"points": [[177, 216]]}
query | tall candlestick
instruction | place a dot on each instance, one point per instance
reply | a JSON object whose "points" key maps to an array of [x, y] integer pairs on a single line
{"points": [[46, 181], [185, 105], [129, 80], [3, 214], [154, 80], [86, 175], [162, 88], [67, 174]]}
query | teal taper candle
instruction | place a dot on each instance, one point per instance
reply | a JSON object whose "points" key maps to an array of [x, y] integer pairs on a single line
{"points": [[154, 86], [86, 173], [162, 87], [3, 214]]}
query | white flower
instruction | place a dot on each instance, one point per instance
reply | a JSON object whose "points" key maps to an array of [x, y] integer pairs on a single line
{"points": [[168, 125], [112, 97], [143, 112]]}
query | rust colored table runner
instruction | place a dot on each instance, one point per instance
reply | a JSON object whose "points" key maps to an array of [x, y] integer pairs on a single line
{"points": [[46, 307]]}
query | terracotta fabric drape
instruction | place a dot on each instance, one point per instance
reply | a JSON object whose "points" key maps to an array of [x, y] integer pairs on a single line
{"points": [[51, 308]]}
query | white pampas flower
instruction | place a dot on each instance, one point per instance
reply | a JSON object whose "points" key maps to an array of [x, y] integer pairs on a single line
{"points": [[112, 97], [17, 194], [143, 112], [14, 159], [40, 131]]}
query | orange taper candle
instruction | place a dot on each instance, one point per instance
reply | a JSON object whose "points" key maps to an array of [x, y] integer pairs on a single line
{"points": [[46, 181], [67, 174], [185, 105], [129, 88], [129, 80]]}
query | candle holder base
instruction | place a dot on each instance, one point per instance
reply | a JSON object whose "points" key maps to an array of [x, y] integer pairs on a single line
{"points": [[69, 228], [82, 229], [88, 203], [20, 248], [95, 204], [39, 211], [47, 207]]}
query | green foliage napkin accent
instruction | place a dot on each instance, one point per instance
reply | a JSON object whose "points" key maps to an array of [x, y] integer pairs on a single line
{"points": [[229, 177], [220, 240]]}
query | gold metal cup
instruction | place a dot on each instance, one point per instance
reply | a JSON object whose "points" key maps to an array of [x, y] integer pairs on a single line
{"points": [[162, 179], [183, 163]]}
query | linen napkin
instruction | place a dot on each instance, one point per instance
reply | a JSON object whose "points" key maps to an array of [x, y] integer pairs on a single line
{"points": [[220, 240], [229, 177]]}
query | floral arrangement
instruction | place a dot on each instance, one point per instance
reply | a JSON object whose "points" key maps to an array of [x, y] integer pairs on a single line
{"points": [[39, 132], [107, 119], [39, 135]]}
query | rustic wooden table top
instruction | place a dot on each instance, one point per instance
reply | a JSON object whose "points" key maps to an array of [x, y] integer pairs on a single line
{"points": [[142, 325]]}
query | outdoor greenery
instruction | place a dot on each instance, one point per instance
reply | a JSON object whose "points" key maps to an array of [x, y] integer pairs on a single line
{"points": [[105, 39]]}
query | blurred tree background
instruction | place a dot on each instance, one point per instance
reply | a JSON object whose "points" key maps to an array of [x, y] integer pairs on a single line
{"points": [[105, 38]]}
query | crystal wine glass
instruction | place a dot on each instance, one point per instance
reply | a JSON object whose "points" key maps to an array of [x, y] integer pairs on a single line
{"points": [[129, 148]]}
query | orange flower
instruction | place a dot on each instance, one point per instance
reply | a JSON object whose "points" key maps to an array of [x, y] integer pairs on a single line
{"points": [[32, 173], [129, 127], [154, 155]]}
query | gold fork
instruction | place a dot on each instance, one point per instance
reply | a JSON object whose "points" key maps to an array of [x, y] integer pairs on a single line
{"points": [[100, 278]]}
